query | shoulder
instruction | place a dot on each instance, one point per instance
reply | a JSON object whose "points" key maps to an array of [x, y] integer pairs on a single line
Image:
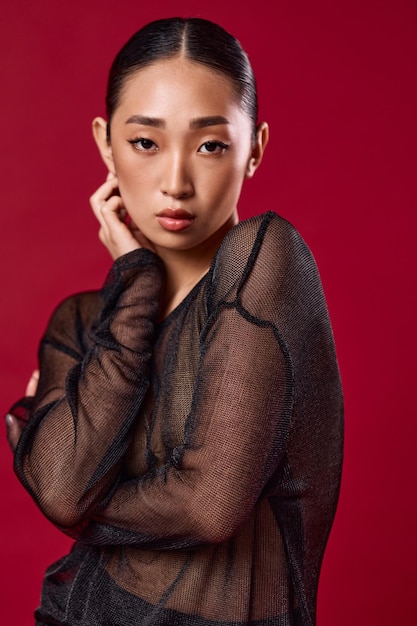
{"points": [[268, 232], [75, 313], [85, 303], [266, 248]]}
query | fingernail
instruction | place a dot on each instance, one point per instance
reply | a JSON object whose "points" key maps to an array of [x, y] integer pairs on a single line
{"points": [[9, 419]]}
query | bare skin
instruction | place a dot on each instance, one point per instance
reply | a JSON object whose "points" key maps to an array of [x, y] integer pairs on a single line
{"points": [[179, 140], [180, 149], [14, 429]]}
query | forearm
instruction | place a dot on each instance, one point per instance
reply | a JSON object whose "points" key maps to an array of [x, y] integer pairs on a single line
{"points": [[234, 441], [69, 455]]}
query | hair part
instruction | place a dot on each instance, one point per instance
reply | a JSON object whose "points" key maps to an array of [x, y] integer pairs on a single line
{"points": [[196, 39]]}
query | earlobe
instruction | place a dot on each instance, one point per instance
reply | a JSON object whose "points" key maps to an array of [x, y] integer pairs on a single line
{"points": [[100, 134], [261, 140]]}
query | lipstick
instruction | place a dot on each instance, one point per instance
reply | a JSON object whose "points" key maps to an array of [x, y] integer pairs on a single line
{"points": [[175, 219]]}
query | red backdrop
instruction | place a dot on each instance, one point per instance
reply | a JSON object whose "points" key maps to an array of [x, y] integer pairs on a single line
{"points": [[337, 83]]}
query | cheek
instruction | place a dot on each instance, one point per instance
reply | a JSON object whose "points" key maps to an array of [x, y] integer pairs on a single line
{"points": [[134, 179], [228, 181], [133, 194], [232, 168]]}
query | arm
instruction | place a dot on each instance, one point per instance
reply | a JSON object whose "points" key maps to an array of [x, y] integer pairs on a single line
{"points": [[236, 435], [235, 439], [69, 454], [15, 426]]}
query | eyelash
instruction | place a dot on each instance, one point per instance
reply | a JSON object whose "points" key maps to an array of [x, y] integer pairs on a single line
{"points": [[217, 144], [140, 144]]}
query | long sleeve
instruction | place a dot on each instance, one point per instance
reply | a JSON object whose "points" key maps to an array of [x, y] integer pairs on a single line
{"points": [[261, 313], [90, 391], [234, 440], [197, 460]]}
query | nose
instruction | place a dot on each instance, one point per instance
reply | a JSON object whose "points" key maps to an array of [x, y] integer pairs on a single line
{"points": [[176, 180]]}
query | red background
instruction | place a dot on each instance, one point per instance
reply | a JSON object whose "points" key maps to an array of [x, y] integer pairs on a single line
{"points": [[337, 83]]}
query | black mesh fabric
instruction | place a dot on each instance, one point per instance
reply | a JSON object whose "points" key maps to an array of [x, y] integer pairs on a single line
{"points": [[196, 461]]}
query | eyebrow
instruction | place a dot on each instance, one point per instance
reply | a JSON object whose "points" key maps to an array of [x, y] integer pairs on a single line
{"points": [[146, 121], [203, 122], [198, 122]]}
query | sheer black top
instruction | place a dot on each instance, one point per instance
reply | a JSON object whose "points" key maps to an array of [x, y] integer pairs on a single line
{"points": [[195, 461]]}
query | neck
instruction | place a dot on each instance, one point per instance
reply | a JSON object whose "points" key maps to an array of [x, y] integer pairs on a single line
{"points": [[184, 268]]}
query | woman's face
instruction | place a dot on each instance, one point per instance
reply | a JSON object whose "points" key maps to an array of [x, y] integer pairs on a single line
{"points": [[181, 147]]}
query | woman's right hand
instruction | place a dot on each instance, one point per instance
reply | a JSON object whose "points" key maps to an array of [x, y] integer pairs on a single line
{"points": [[117, 233]]}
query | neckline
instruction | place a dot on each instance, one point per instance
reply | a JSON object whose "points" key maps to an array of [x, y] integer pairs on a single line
{"points": [[261, 217], [164, 322]]}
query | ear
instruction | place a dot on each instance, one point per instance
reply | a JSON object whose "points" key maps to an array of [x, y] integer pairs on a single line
{"points": [[103, 144], [258, 148]]}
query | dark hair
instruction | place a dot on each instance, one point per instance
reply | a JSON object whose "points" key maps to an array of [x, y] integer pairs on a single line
{"points": [[198, 40]]}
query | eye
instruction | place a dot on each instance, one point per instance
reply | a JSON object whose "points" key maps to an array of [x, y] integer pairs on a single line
{"points": [[213, 147], [143, 144]]}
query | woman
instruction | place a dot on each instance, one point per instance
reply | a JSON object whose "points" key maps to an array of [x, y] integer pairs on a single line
{"points": [[187, 425]]}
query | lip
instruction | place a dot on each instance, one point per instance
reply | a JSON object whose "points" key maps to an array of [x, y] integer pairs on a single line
{"points": [[180, 214], [175, 219]]}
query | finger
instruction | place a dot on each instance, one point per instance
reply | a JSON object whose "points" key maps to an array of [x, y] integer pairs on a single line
{"points": [[113, 223], [139, 236], [141, 239], [103, 203], [103, 193], [32, 384], [114, 233], [14, 430], [111, 216], [106, 189]]}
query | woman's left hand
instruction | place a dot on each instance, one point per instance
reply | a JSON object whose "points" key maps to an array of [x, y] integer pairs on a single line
{"points": [[117, 232], [13, 425]]}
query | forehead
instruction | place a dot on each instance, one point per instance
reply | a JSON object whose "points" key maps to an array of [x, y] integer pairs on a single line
{"points": [[178, 84]]}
